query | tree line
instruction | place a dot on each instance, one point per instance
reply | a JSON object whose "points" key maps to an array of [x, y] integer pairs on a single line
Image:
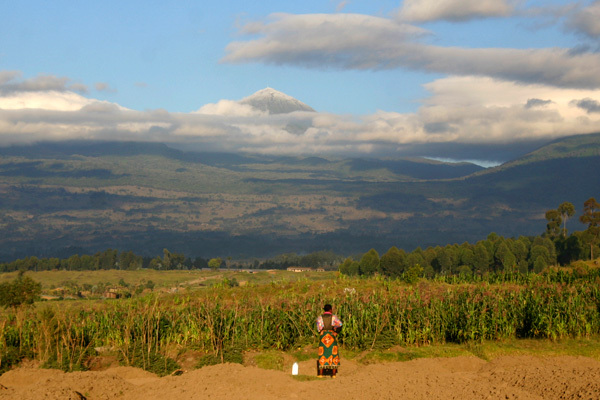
{"points": [[494, 254], [108, 259], [127, 260]]}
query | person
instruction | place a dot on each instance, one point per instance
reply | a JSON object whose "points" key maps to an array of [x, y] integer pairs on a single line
{"points": [[328, 326]]}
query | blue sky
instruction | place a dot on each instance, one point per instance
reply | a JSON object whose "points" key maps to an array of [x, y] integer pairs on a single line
{"points": [[156, 55], [381, 74]]}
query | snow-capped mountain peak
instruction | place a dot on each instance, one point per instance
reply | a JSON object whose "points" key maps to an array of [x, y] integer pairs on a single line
{"points": [[274, 102]]}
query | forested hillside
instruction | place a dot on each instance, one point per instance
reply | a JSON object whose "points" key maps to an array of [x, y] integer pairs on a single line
{"points": [[81, 197]]}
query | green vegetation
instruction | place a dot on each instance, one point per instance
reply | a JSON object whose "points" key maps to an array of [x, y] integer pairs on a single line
{"points": [[23, 290], [459, 297], [591, 217], [222, 322], [495, 256], [573, 146], [146, 197], [127, 261]]}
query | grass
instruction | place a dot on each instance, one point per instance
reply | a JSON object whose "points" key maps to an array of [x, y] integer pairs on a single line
{"points": [[163, 279], [270, 360], [305, 378], [487, 350]]}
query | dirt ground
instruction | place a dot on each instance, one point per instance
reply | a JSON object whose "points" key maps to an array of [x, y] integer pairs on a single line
{"points": [[464, 378]]}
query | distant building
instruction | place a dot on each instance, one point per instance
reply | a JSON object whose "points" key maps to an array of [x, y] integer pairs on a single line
{"points": [[299, 269], [111, 293]]}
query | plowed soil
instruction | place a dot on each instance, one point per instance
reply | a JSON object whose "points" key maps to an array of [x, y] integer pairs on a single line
{"points": [[464, 378]]}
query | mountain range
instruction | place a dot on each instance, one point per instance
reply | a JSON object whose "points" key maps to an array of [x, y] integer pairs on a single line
{"points": [[58, 198]]}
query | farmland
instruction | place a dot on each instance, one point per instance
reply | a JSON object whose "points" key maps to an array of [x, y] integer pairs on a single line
{"points": [[275, 312]]}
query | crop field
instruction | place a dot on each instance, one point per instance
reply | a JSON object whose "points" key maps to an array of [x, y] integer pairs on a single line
{"points": [[163, 280], [220, 322]]}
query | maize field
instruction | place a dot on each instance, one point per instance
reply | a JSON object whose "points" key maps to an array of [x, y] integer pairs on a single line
{"points": [[377, 313]]}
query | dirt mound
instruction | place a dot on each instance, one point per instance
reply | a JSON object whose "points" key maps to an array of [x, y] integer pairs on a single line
{"points": [[463, 378]]}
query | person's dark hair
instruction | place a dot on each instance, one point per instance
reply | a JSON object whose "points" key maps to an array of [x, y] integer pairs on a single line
{"points": [[327, 307]]}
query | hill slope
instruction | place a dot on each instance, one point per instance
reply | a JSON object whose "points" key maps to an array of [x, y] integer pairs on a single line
{"points": [[145, 197]]}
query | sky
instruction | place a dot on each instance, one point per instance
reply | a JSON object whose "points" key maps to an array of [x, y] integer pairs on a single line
{"points": [[450, 79]]}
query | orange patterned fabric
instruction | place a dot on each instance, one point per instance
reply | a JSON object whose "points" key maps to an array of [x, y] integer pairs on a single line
{"points": [[328, 351]]}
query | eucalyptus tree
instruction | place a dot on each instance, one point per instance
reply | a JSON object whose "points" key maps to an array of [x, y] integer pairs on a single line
{"points": [[566, 210], [591, 217], [554, 219]]}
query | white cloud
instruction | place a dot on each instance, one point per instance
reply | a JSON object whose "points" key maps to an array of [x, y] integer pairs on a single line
{"points": [[454, 10], [9, 83], [46, 100], [326, 40], [341, 5], [464, 110], [230, 108], [485, 110], [586, 20], [346, 41], [104, 87], [7, 76]]}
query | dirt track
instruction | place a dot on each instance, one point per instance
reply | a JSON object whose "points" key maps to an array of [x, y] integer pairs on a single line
{"points": [[462, 378]]}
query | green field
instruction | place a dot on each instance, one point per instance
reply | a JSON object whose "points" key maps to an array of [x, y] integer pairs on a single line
{"points": [[163, 280], [274, 312]]}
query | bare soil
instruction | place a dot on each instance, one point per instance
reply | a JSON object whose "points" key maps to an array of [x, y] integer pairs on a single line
{"points": [[464, 378]]}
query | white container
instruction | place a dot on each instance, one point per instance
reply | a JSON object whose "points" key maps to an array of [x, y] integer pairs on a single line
{"points": [[295, 369]]}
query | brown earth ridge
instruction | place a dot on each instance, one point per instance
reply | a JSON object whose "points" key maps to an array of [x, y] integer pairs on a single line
{"points": [[464, 378]]}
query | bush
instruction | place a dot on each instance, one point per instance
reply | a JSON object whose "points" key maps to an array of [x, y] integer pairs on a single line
{"points": [[151, 361], [12, 356], [23, 290], [228, 355], [412, 274]]}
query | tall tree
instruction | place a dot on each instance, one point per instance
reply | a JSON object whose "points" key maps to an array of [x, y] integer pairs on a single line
{"points": [[369, 263], [215, 263], [504, 257], [591, 217], [349, 267], [166, 259], [549, 245], [569, 249], [554, 220], [566, 210], [481, 258], [415, 258], [393, 262], [467, 257], [444, 260], [540, 257]]}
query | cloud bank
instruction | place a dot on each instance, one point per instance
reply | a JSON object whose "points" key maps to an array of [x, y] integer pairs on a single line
{"points": [[9, 83], [454, 10], [467, 110], [586, 21], [359, 42]]}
